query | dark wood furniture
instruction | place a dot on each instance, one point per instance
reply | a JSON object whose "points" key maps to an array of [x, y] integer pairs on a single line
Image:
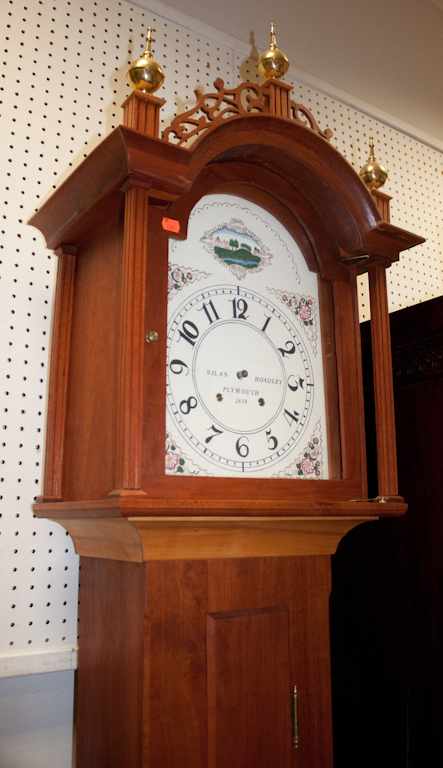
{"points": [[388, 621], [204, 601]]}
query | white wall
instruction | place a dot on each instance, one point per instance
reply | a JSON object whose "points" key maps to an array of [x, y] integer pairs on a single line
{"points": [[62, 79]]}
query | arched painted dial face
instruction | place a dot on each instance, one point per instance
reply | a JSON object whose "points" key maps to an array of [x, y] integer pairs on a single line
{"points": [[245, 393], [240, 383]]}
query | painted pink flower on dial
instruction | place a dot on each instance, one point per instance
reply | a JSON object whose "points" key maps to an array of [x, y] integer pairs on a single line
{"points": [[307, 467], [172, 461], [304, 308], [305, 312], [181, 277]]}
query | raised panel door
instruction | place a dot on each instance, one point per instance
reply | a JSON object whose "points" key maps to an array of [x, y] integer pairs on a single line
{"points": [[249, 693]]}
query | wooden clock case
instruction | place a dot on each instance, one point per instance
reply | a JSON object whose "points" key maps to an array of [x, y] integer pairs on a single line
{"points": [[204, 601]]}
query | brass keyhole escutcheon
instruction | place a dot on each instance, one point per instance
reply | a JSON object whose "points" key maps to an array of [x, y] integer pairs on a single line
{"points": [[151, 336]]}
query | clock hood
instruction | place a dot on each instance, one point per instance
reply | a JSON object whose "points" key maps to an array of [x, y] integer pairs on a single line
{"points": [[294, 159]]}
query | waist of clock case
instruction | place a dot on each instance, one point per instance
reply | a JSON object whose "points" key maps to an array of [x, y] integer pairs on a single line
{"points": [[127, 531]]}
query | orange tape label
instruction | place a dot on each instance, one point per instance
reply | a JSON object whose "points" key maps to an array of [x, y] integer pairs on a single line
{"points": [[171, 225]]}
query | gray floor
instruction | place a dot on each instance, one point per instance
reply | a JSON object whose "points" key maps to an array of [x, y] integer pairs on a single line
{"points": [[36, 721]]}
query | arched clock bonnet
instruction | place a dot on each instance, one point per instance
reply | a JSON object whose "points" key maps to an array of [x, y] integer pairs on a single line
{"points": [[253, 142]]}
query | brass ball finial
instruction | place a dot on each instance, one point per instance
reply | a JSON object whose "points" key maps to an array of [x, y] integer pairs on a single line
{"points": [[373, 174], [273, 63], [146, 74]]}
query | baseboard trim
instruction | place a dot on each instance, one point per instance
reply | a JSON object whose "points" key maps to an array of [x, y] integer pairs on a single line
{"points": [[37, 663]]}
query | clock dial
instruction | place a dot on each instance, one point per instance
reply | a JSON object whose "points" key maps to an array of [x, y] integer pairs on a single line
{"points": [[244, 374], [240, 383]]}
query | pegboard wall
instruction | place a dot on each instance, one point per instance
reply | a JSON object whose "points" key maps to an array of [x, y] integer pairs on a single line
{"points": [[62, 79]]}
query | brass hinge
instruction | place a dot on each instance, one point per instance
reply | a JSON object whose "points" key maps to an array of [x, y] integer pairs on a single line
{"points": [[381, 500]]}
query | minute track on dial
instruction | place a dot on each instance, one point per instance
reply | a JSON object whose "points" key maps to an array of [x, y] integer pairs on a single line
{"points": [[240, 381]]}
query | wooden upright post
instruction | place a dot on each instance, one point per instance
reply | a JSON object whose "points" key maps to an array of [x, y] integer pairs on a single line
{"points": [[382, 368], [278, 95], [382, 201], [383, 383], [141, 112], [59, 374], [129, 416]]}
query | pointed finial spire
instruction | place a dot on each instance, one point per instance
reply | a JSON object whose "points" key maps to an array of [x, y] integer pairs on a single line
{"points": [[273, 36], [145, 73], [149, 40], [373, 174], [273, 63]]}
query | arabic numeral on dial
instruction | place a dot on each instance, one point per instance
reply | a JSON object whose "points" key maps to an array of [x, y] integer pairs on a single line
{"points": [[266, 323], [271, 440], [215, 432], [298, 382], [186, 406], [210, 311], [242, 447], [189, 332], [288, 349], [178, 366], [291, 417], [239, 309]]}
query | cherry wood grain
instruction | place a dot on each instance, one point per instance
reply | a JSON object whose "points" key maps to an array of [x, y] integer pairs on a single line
{"points": [[249, 678], [278, 95], [311, 654], [59, 374], [110, 665], [157, 642], [350, 388], [141, 111], [175, 697], [320, 172], [382, 201], [301, 585], [359, 378], [154, 416], [212, 109], [129, 398], [89, 455], [162, 538], [383, 385], [263, 621], [329, 352], [127, 507]]}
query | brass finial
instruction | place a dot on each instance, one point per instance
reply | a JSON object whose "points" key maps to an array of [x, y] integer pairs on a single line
{"points": [[146, 74], [273, 63], [372, 173]]}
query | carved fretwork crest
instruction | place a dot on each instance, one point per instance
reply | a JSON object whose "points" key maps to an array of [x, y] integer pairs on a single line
{"points": [[211, 109]]}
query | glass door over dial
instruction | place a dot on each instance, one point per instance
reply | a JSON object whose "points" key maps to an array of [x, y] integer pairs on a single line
{"points": [[245, 383]]}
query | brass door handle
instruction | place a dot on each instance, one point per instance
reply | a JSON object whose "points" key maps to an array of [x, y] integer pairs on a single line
{"points": [[295, 726], [151, 336]]}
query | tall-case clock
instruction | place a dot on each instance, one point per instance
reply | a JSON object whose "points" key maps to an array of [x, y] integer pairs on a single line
{"points": [[205, 440]]}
